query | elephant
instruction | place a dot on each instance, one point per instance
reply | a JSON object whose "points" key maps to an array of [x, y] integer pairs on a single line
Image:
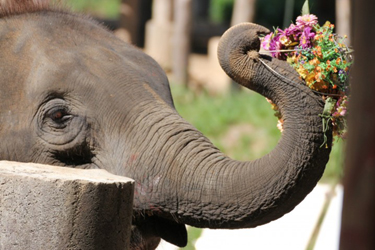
{"points": [[74, 95]]}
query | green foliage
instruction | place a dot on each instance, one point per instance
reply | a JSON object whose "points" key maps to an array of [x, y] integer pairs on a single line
{"points": [[99, 8], [193, 234], [221, 10]]}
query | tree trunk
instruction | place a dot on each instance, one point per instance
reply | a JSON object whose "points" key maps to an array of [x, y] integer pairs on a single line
{"points": [[358, 217]]}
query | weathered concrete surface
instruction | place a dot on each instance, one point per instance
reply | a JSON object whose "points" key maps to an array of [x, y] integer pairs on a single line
{"points": [[48, 207]]}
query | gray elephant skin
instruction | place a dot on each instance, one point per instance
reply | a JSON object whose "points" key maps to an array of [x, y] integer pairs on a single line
{"points": [[74, 95]]}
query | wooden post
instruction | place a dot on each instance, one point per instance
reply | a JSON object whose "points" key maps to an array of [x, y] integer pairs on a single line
{"points": [[181, 41], [358, 215]]}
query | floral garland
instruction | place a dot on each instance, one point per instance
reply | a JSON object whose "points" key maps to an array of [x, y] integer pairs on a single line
{"points": [[322, 61]]}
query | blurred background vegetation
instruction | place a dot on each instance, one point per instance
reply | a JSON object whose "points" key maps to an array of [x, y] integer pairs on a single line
{"points": [[269, 13]]}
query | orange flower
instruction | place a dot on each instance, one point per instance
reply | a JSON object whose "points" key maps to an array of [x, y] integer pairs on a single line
{"points": [[318, 77], [338, 60], [310, 79], [302, 71], [314, 61]]}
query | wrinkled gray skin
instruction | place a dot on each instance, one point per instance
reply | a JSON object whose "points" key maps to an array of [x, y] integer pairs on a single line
{"points": [[74, 95]]}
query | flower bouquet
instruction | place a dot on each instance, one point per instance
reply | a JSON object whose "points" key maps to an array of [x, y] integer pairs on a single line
{"points": [[321, 59]]}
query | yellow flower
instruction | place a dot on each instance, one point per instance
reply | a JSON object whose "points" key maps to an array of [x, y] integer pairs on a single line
{"points": [[285, 40], [310, 78], [302, 72], [327, 23]]}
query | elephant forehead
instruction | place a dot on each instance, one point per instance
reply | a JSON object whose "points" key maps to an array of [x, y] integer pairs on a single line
{"points": [[60, 57]]}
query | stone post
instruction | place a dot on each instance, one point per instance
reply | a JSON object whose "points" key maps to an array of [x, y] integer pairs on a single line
{"points": [[159, 33], [48, 207]]}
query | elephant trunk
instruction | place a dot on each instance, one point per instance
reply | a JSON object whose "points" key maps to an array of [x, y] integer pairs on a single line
{"points": [[202, 187]]}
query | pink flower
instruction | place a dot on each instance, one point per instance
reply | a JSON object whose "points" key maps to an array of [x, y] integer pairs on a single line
{"points": [[307, 20], [266, 41], [275, 46]]}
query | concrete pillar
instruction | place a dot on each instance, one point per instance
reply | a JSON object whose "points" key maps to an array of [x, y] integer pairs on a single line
{"points": [[181, 41], [243, 11], [48, 207], [218, 81], [159, 33], [343, 19]]}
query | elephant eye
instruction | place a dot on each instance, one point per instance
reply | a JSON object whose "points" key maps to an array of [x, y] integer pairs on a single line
{"points": [[59, 115]]}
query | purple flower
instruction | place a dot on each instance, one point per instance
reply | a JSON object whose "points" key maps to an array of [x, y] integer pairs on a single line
{"points": [[306, 38], [307, 20], [294, 31]]}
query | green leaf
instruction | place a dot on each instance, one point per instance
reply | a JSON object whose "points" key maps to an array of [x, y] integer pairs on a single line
{"points": [[305, 8], [328, 107]]}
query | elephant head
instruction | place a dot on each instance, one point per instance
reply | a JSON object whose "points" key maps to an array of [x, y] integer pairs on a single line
{"points": [[74, 95]]}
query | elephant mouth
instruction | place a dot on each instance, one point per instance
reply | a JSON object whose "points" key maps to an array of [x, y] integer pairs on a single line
{"points": [[147, 231]]}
